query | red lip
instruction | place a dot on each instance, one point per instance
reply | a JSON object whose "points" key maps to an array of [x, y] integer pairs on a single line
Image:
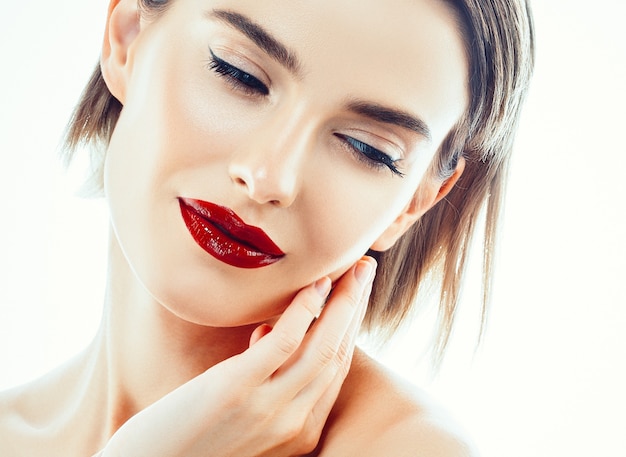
{"points": [[221, 233]]}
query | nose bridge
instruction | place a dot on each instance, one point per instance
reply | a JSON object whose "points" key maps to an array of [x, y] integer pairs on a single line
{"points": [[268, 165]]}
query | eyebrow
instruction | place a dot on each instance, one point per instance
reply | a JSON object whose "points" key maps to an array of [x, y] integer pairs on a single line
{"points": [[391, 116], [261, 37], [288, 59]]}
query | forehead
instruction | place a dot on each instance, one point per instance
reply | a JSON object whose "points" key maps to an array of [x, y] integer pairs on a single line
{"points": [[405, 53]]}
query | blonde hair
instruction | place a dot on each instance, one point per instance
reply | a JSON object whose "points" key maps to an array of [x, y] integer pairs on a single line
{"points": [[499, 39], [500, 48]]}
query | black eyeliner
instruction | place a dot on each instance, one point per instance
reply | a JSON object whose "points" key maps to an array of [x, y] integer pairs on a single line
{"points": [[372, 154], [240, 78]]}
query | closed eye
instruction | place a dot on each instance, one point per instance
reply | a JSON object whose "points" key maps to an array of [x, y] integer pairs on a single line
{"points": [[370, 155], [237, 77]]}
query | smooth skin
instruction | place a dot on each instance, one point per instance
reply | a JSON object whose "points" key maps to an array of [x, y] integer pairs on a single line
{"points": [[286, 385], [195, 357]]}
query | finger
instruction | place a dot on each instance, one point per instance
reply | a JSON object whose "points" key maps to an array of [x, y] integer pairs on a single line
{"points": [[270, 352], [313, 404], [259, 333], [324, 405], [336, 371], [326, 337]]}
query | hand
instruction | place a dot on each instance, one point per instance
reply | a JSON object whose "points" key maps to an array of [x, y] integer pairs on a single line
{"points": [[271, 400]]}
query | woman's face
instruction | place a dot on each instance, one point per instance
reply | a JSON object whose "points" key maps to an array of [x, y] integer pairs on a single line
{"points": [[314, 121]]}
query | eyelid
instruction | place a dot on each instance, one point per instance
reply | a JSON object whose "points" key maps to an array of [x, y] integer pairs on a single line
{"points": [[241, 62], [386, 146], [373, 156]]}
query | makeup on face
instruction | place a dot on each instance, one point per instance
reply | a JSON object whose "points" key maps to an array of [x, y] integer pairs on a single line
{"points": [[306, 136], [253, 86], [223, 234]]}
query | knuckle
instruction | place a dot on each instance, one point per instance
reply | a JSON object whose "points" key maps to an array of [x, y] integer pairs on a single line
{"points": [[353, 300], [311, 434], [291, 430], [326, 351], [309, 442], [344, 368], [344, 352], [312, 306], [286, 343], [343, 359]]}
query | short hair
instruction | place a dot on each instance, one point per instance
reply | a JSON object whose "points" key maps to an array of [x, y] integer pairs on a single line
{"points": [[499, 41]]}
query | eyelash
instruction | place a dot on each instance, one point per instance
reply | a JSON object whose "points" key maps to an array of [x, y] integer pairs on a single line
{"points": [[371, 155], [239, 78], [252, 86]]}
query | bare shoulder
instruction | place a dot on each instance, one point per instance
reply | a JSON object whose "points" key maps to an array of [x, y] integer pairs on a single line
{"points": [[35, 417], [14, 423], [381, 415], [31, 403], [421, 434]]}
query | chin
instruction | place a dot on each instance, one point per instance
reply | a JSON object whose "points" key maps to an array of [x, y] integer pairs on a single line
{"points": [[225, 311]]}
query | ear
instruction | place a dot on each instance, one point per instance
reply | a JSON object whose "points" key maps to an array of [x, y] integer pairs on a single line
{"points": [[429, 193], [122, 27]]}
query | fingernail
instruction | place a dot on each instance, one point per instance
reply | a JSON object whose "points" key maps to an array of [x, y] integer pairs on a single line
{"points": [[363, 271], [323, 286]]}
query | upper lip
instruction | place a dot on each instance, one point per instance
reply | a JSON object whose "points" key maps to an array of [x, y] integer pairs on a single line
{"points": [[228, 222]]}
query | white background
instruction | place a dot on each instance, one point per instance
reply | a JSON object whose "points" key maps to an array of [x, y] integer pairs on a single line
{"points": [[549, 379]]}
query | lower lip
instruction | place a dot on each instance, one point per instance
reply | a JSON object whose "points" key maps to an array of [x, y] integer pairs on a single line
{"points": [[220, 245]]}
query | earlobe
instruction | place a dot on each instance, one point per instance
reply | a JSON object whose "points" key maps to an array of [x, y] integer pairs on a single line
{"points": [[427, 196], [122, 27], [409, 215]]}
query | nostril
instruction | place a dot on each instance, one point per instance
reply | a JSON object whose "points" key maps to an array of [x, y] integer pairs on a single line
{"points": [[239, 181], [267, 186]]}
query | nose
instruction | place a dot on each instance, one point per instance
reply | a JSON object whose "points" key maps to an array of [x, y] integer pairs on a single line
{"points": [[267, 166]]}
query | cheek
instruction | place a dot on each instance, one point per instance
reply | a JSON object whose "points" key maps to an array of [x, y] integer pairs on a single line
{"points": [[349, 215], [174, 138]]}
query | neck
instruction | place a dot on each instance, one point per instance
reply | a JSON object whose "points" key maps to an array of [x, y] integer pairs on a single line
{"points": [[148, 350]]}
